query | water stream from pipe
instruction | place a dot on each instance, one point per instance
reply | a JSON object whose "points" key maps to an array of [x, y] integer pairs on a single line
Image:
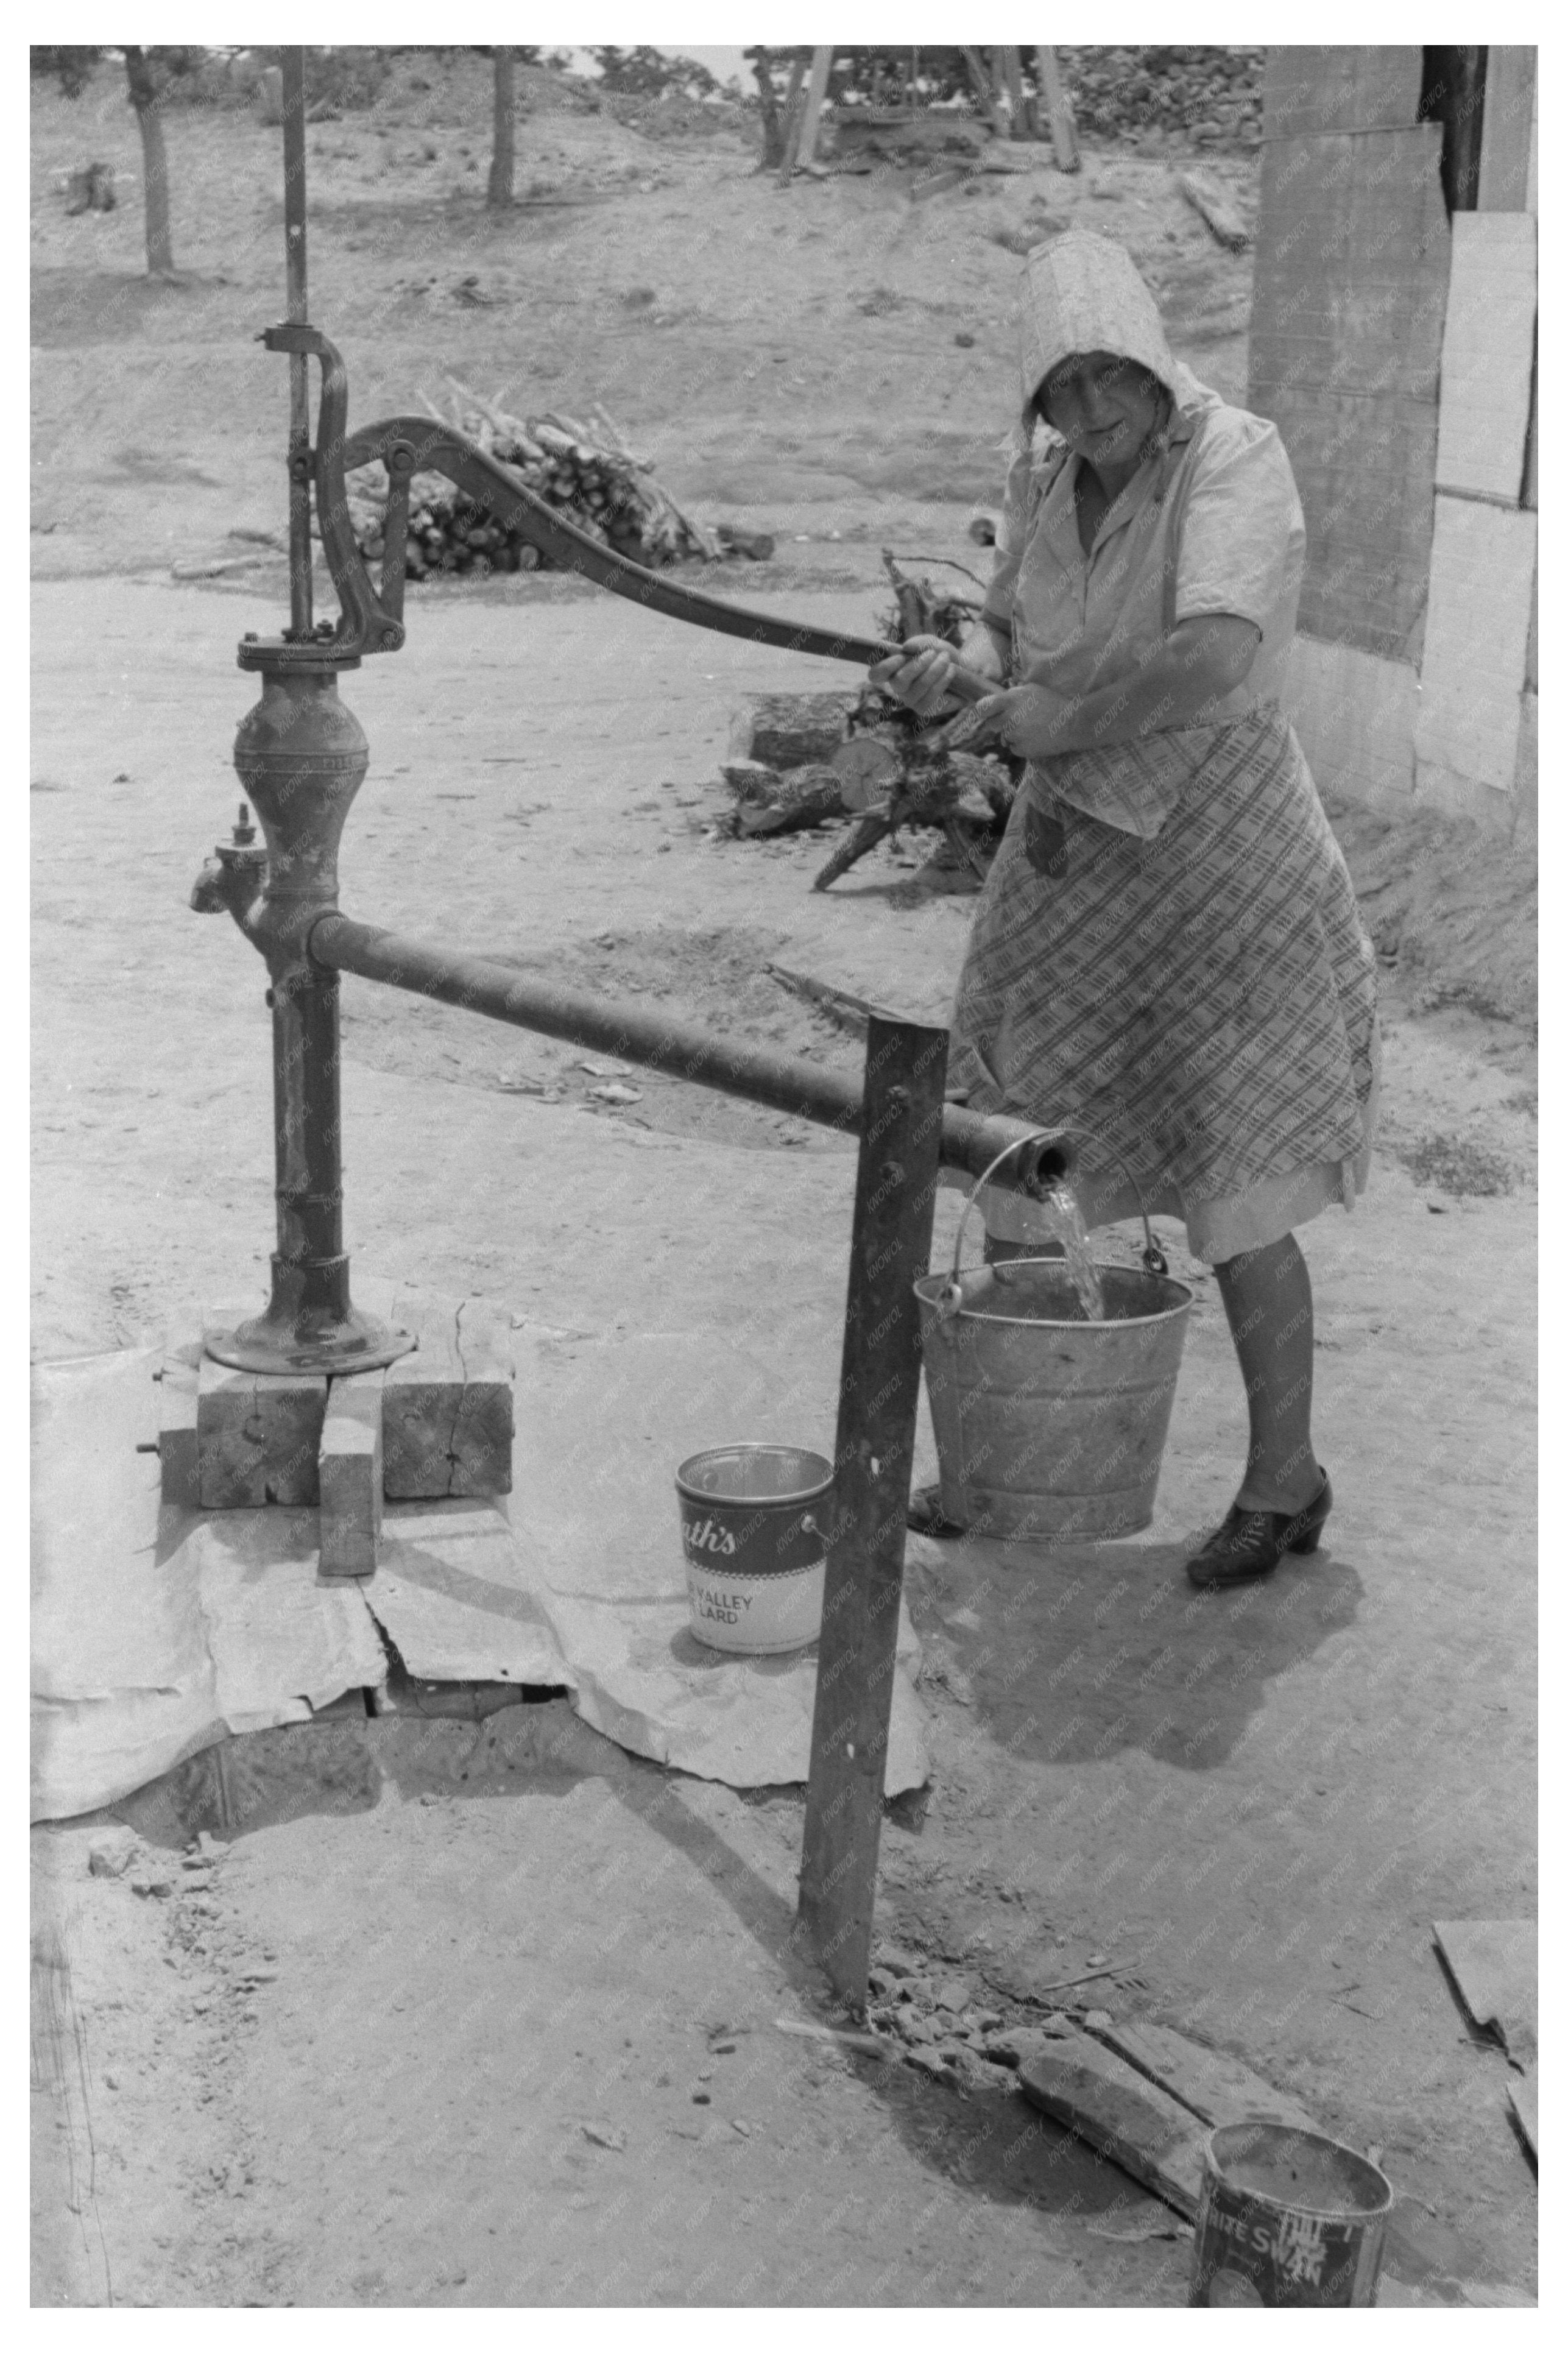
{"points": [[1064, 1220]]}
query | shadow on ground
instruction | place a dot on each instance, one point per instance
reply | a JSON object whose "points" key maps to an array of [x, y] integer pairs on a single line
{"points": [[994, 2143], [1076, 1654]]}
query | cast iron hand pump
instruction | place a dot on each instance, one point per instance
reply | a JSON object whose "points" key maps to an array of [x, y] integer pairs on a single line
{"points": [[302, 757]]}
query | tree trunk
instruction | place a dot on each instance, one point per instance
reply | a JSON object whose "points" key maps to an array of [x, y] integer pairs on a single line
{"points": [[155, 165], [499, 193], [773, 134]]}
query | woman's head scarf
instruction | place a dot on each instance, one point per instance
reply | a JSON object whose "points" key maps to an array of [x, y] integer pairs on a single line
{"points": [[1081, 293]]}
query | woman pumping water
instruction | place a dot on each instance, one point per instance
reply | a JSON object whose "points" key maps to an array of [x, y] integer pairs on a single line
{"points": [[1168, 955]]}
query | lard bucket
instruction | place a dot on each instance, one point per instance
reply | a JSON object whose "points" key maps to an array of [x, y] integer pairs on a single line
{"points": [[753, 1522], [1049, 1425], [1287, 2216]]}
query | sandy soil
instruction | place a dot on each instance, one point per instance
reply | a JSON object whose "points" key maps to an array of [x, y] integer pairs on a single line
{"points": [[1254, 1810]]}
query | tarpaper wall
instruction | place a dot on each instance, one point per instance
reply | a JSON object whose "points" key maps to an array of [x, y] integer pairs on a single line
{"points": [[1397, 354]]}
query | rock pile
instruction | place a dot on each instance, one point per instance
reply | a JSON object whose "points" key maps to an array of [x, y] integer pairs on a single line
{"points": [[948, 2031], [1211, 96]]}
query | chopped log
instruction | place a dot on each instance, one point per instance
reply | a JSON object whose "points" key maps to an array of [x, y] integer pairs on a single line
{"points": [[1215, 211], [801, 796], [785, 731], [751, 780], [867, 769]]}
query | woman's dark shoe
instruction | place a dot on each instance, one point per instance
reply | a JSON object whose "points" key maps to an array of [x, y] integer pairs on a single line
{"points": [[926, 1516], [1252, 1544]]}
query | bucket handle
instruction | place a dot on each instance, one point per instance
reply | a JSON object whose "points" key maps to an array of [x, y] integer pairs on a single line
{"points": [[1153, 1257]]}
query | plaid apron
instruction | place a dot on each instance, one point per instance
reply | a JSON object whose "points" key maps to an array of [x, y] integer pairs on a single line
{"points": [[1201, 1001]]}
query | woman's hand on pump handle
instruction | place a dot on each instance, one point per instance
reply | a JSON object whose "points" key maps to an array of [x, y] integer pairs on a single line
{"points": [[918, 674]]}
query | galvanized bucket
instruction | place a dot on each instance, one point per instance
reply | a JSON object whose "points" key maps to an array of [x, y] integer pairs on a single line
{"points": [[1048, 1425]]}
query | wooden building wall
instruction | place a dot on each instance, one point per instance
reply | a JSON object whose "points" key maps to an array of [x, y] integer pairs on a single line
{"points": [[1397, 353], [1347, 329]]}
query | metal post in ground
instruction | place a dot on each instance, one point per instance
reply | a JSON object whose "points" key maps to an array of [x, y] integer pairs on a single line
{"points": [[878, 1391]]}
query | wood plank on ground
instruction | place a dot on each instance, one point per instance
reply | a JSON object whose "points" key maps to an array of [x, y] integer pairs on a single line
{"points": [[1493, 1964], [1217, 2087], [1215, 211], [1521, 2100], [1108, 2102]]}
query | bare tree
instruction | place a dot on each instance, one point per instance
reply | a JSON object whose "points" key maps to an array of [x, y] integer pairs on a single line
{"points": [[499, 195], [773, 130], [155, 165]]}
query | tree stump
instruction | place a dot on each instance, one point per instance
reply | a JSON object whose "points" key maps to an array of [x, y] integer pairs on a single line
{"points": [[785, 730]]}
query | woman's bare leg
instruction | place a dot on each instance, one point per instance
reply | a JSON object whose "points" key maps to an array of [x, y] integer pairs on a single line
{"points": [[1268, 1296]]}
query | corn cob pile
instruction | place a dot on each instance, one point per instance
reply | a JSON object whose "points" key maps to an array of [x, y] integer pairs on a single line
{"points": [[588, 474]]}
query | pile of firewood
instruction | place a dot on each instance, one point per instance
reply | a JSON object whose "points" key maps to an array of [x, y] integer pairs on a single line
{"points": [[586, 472]]}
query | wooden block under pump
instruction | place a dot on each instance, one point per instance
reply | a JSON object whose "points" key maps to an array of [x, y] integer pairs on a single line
{"points": [[258, 1436], [350, 1475], [446, 1409], [179, 1456]]}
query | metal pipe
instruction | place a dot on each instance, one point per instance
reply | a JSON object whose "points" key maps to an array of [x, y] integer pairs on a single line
{"points": [[682, 1049], [300, 598]]}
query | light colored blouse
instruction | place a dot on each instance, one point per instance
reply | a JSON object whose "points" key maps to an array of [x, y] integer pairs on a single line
{"points": [[1211, 525]]}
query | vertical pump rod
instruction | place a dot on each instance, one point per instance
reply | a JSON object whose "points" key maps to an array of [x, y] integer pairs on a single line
{"points": [[300, 616]]}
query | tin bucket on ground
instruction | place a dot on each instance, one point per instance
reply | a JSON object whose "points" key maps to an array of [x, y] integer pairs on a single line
{"points": [[1287, 2216], [753, 1521], [1049, 1425]]}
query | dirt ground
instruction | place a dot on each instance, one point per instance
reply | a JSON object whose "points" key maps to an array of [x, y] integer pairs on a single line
{"points": [[442, 2022]]}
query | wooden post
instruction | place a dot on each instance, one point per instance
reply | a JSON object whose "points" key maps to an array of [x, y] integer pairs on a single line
{"points": [[1506, 125], [792, 112], [879, 1392], [817, 91], [498, 194], [773, 136], [979, 83], [144, 98], [1012, 74], [1064, 136]]}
